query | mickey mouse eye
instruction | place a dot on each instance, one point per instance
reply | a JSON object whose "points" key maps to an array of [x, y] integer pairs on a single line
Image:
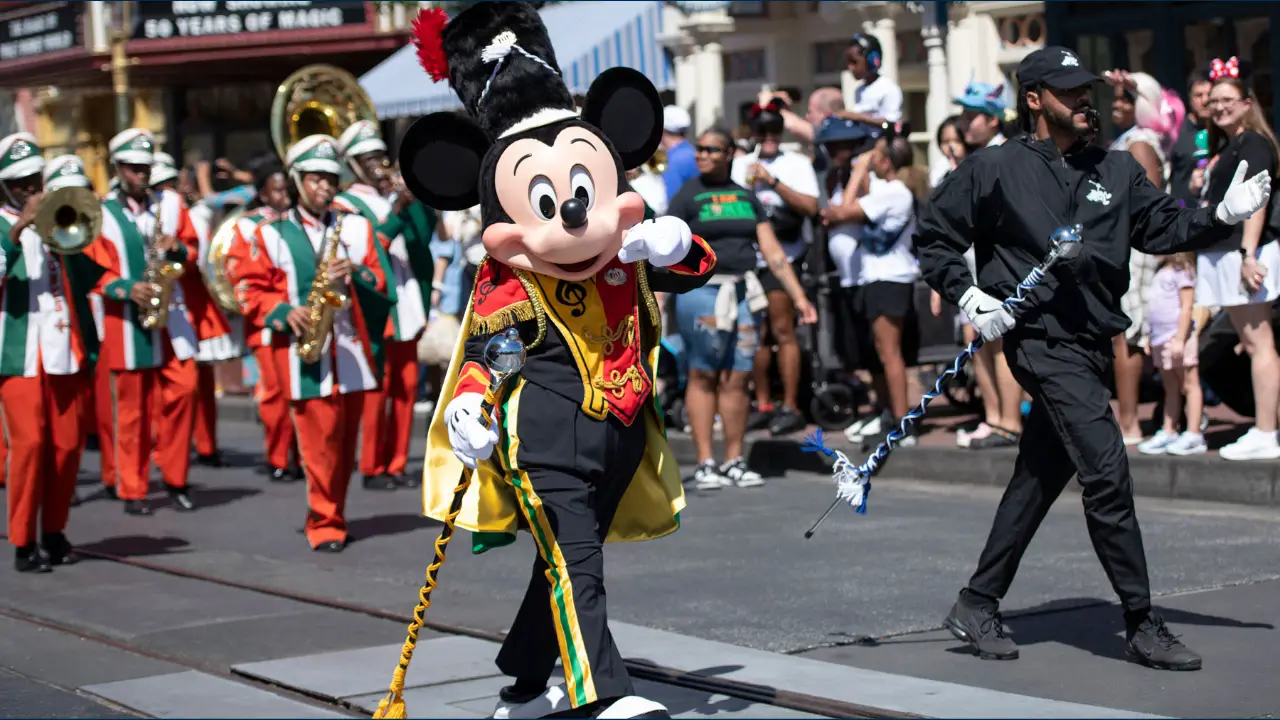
{"points": [[542, 198], [582, 186]]}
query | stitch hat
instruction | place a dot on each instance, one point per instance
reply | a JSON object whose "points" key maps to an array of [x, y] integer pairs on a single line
{"points": [[313, 154], [163, 168], [20, 156], [64, 171], [983, 97], [133, 147], [362, 137]]}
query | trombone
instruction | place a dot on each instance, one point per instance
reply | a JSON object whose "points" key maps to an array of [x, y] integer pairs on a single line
{"points": [[68, 220]]}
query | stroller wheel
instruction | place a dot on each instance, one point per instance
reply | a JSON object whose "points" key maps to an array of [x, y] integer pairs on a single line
{"points": [[833, 406]]}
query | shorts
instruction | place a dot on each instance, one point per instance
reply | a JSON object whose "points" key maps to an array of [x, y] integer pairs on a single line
{"points": [[1162, 359], [1218, 278], [871, 301], [707, 348], [770, 283]]}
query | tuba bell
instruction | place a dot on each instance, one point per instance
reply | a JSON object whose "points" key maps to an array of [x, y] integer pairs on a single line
{"points": [[658, 163], [317, 99], [68, 220], [214, 265]]}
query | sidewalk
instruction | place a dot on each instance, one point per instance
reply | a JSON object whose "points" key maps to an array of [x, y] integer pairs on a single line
{"points": [[937, 459]]}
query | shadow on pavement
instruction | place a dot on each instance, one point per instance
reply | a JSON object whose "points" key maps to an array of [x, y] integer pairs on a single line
{"points": [[134, 546], [207, 497], [1097, 628], [681, 701], [378, 525]]}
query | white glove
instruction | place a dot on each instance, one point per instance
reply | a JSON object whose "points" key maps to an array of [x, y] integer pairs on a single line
{"points": [[471, 440], [991, 318], [662, 241], [1244, 197]]}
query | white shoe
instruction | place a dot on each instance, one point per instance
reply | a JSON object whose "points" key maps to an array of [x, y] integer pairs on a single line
{"points": [[739, 474], [1158, 443], [1253, 445], [708, 477], [1188, 443], [554, 700]]}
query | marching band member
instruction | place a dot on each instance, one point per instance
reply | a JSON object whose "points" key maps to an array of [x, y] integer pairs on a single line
{"points": [[42, 339], [406, 227], [271, 202], [276, 283], [164, 177], [141, 231]]}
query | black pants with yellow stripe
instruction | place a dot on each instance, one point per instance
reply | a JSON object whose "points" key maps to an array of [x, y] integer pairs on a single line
{"points": [[570, 472]]}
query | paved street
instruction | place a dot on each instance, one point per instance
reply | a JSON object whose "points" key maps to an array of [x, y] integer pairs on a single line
{"points": [[737, 594]]}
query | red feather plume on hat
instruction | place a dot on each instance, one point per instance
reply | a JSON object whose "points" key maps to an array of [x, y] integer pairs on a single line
{"points": [[427, 29]]}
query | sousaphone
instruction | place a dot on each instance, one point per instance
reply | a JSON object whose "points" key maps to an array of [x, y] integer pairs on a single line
{"points": [[317, 100]]}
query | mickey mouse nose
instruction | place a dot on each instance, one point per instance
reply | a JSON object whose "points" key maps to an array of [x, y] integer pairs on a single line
{"points": [[573, 212]]}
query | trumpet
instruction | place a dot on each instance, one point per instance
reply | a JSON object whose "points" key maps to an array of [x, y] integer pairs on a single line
{"points": [[386, 171], [68, 220]]}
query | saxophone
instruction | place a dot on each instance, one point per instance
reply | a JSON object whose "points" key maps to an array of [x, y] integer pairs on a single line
{"points": [[323, 301], [161, 274]]}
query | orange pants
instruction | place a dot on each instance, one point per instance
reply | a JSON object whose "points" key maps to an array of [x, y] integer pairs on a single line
{"points": [[105, 420], [273, 408], [385, 446], [206, 431], [328, 429], [4, 458], [42, 423], [174, 383]]}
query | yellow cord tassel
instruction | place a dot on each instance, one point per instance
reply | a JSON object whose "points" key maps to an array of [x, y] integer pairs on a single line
{"points": [[392, 706]]}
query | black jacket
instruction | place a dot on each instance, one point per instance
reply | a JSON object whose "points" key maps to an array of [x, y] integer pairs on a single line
{"points": [[1007, 200]]}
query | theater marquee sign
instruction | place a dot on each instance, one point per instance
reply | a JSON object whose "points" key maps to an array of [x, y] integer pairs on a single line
{"points": [[202, 18]]}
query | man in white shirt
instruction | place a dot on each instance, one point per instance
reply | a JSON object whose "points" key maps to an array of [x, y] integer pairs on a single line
{"points": [[877, 100], [787, 187]]}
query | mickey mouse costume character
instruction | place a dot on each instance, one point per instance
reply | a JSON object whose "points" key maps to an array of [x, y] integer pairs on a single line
{"points": [[581, 457]]}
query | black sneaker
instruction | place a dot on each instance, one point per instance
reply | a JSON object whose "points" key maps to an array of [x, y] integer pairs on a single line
{"points": [[739, 474], [983, 629], [760, 419], [29, 559], [786, 421], [58, 549], [708, 477], [1152, 644]]}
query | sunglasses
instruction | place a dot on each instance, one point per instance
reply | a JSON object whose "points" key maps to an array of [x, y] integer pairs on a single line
{"points": [[709, 149]]}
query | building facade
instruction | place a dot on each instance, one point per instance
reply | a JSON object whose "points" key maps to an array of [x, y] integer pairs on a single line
{"points": [[725, 53], [201, 75]]}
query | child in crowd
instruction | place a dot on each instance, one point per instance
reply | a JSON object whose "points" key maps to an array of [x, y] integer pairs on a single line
{"points": [[1173, 348]]}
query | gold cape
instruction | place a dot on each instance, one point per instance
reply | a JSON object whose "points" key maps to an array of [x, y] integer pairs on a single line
{"points": [[649, 509]]}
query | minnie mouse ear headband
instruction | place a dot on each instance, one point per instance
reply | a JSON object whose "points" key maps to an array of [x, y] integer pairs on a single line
{"points": [[767, 118], [1231, 69], [498, 58]]}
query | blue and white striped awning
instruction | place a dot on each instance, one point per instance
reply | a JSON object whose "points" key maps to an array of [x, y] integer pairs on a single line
{"points": [[588, 37]]}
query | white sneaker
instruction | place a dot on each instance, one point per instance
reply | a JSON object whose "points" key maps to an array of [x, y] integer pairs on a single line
{"points": [[1253, 445], [1188, 443], [707, 477], [1158, 443], [739, 474], [854, 432]]}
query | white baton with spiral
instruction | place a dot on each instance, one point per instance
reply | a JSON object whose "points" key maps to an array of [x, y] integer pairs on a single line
{"points": [[853, 482]]}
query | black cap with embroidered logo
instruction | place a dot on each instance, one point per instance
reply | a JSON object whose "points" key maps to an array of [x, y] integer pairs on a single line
{"points": [[1057, 67]]}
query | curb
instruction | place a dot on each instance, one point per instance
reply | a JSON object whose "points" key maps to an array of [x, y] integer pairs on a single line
{"points": [[1205, 477]]}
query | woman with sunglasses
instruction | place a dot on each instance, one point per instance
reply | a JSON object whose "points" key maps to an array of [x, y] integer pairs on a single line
{"points": [[717, 322]]}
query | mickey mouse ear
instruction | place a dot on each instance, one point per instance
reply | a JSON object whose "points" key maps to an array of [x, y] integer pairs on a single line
{"points": [[626, 107], [440, 160]]}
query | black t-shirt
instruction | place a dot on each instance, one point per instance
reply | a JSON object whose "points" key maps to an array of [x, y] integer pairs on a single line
{"points": [[725, 215], [1254, 149]]}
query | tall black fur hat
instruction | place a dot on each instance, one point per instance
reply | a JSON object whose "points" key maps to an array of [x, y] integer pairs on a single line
{"points": [[498, 58]]}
